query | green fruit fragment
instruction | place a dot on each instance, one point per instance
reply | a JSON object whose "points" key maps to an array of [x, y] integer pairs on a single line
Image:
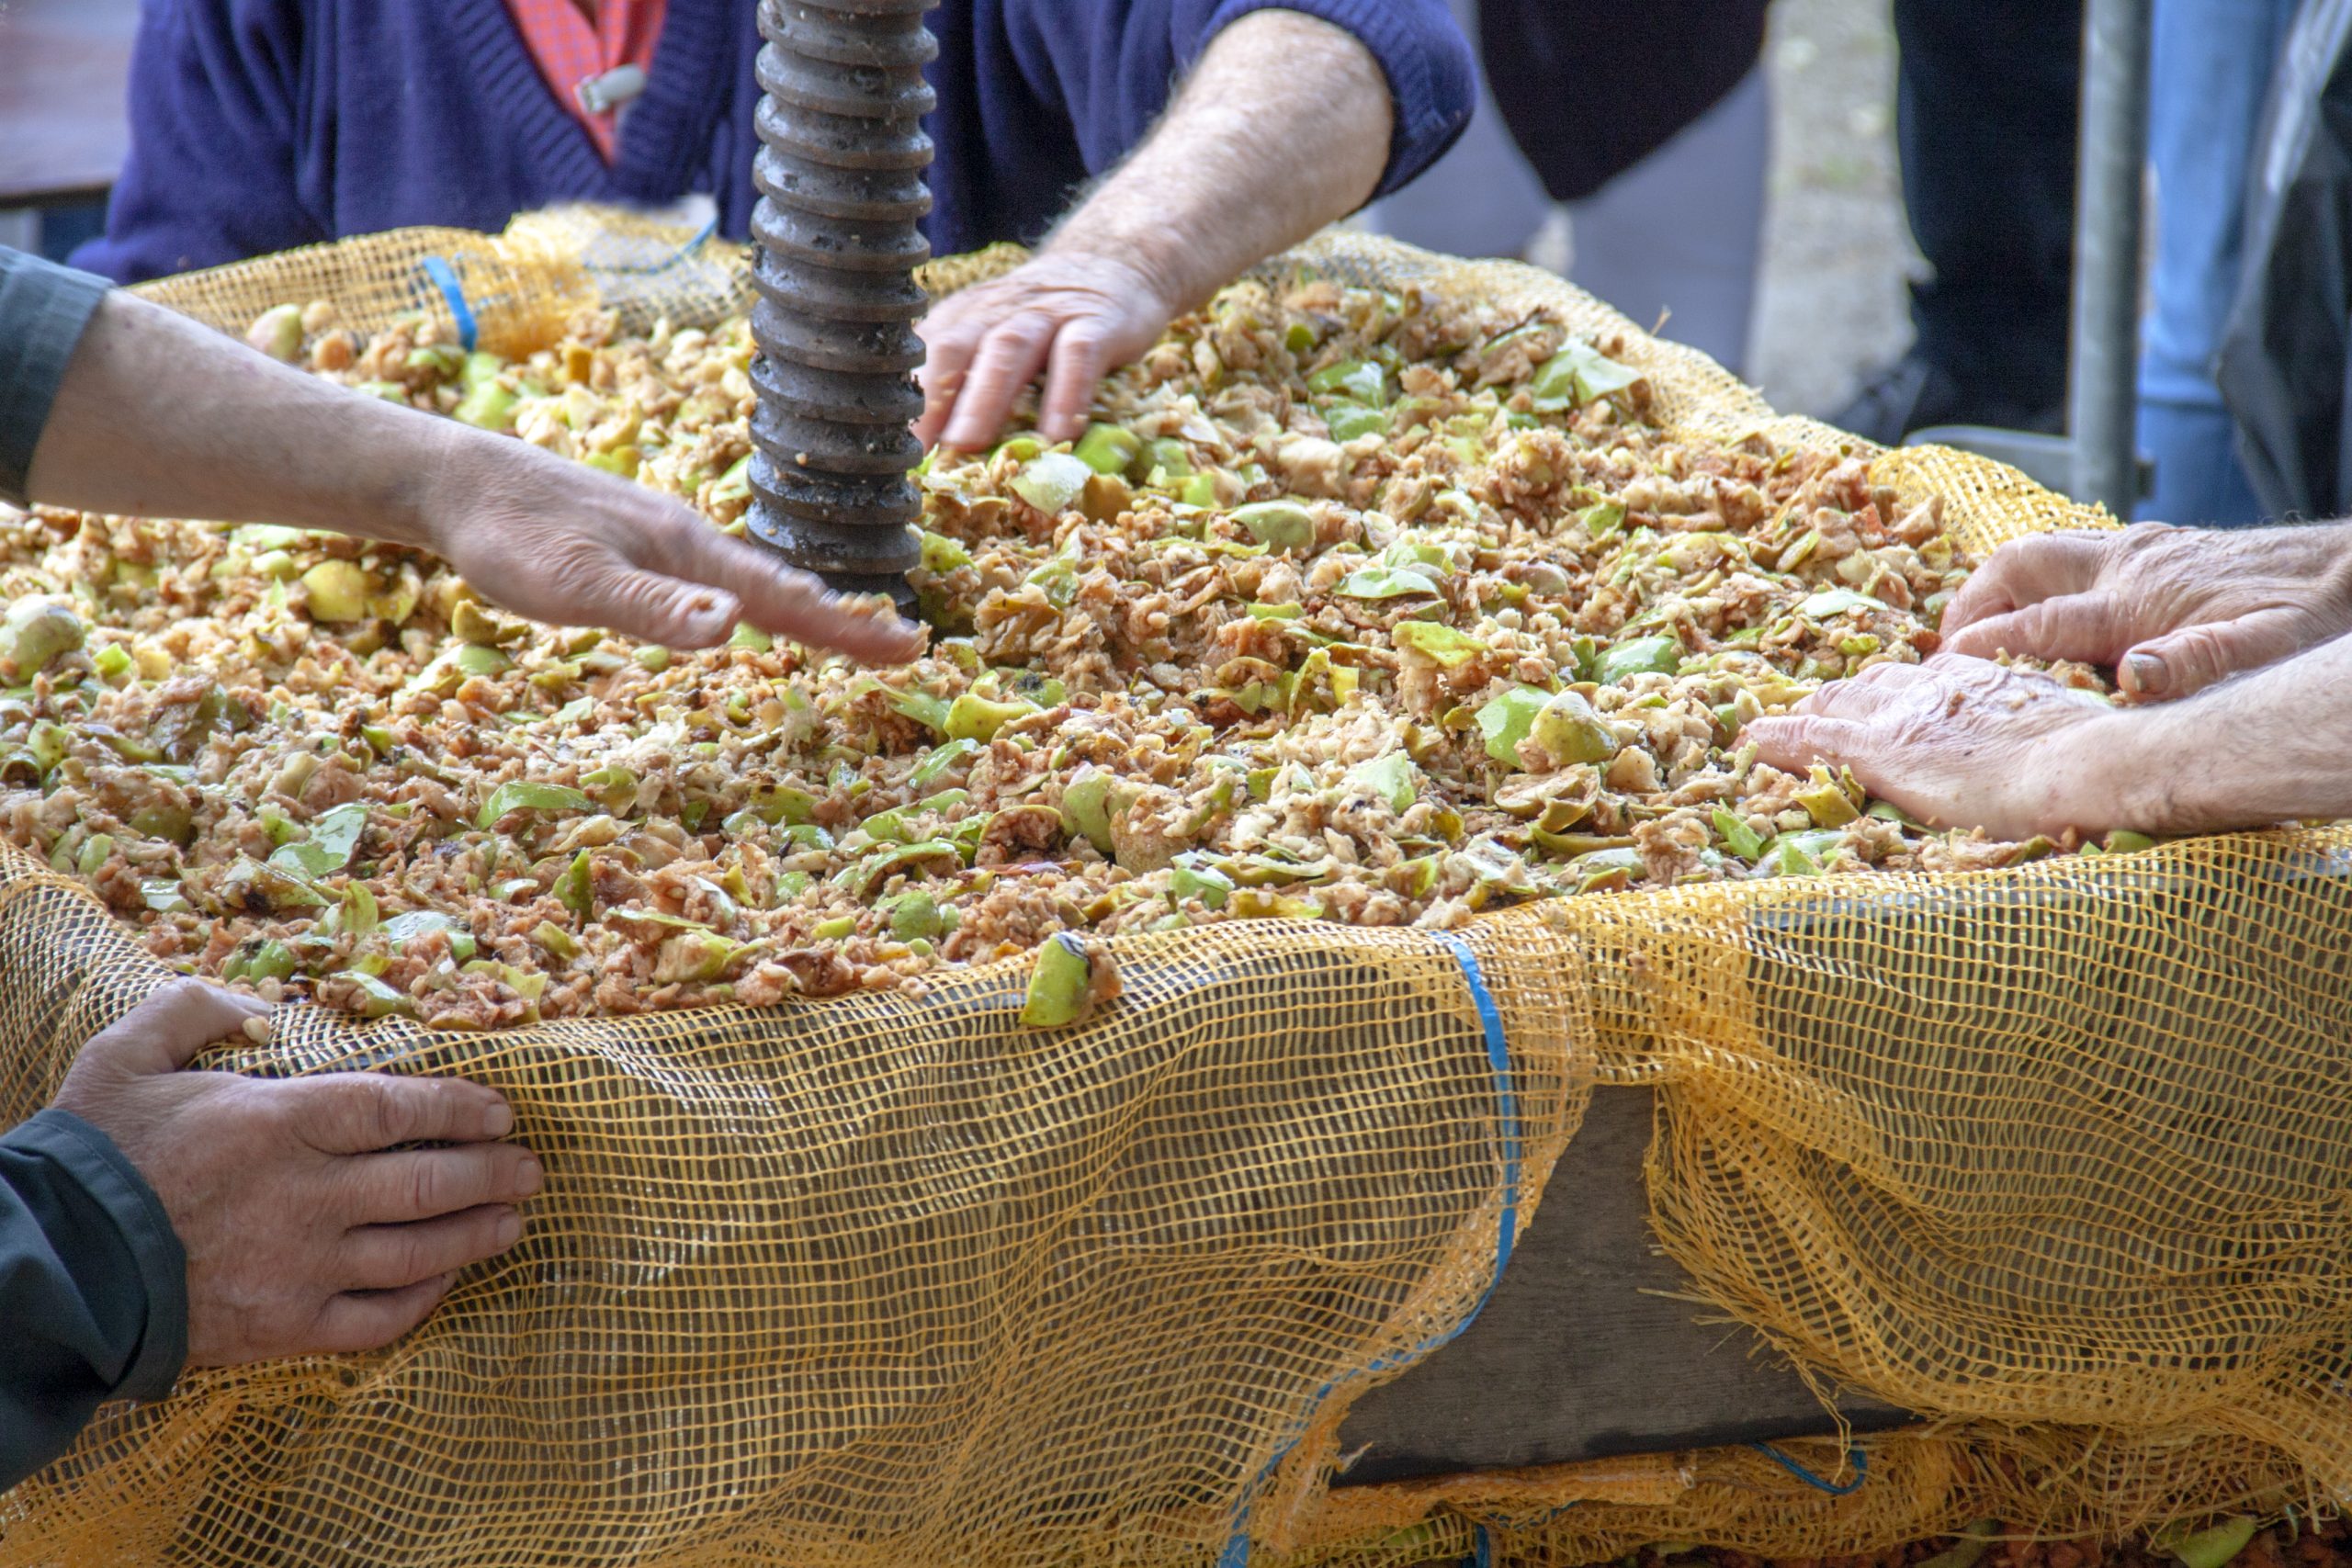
{"points": [[1107, 448], [2212, 1547], [1385, 583], [529, 795], [96, 850], [165, 896], [1087, 806], [1391, 779], [1737, 836], [1052, 482], [943, 759], [1827, 806], [913, 916], [46, 742], [692, 958], [358, 914], [1195, 877], [1358, 381], [975, 718], [338, 590], [1281, 525], [1836, 601], [877, 869], [942, 555], [171, 823], [487, 406], [2124, 842], [1639, 656], [1060, 986], [1506, 721], [275, 887], [1602, 518], [34, 633], [278, 331], [1347, 421], [271, 961], [378, 999], [834, 930], [1577, 375], [1571, 733], [1444, 645]]}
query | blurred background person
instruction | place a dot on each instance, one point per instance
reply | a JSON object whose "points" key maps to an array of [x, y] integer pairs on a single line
{"points": [[1986, 123], [1986, 93], [1650, 124], [259, 126]]}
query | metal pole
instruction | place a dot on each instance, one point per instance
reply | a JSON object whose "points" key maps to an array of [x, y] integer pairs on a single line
{"points": [[2102, 392]]}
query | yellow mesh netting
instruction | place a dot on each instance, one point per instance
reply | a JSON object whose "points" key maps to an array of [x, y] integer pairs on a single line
{"points": [[2059, 1156]]}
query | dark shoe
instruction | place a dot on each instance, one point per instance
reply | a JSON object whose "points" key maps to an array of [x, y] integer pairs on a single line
{"points": [[1913, 394]]}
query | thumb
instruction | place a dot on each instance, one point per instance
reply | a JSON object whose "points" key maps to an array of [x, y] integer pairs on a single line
{"points": [[164, 1032], [2192, 658]]}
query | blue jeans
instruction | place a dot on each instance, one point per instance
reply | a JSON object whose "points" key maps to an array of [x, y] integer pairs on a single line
{"points": [[2212, 70]]}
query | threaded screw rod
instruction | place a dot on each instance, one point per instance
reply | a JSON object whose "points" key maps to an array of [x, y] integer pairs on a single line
{"points": [[839, 175]]}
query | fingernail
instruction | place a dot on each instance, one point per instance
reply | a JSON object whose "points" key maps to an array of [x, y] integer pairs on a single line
{"points": [[510, 1227], [527, 1177], [497, 1119], [2147, 671]]}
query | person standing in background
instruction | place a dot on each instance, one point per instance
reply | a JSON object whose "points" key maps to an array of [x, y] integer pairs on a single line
{"points": [[1986, 99], [2214, 61], [261, 125], [1652, 124]]}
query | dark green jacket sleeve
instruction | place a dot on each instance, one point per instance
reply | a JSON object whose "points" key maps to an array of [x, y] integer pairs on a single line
{"points": [[43, 310], [92, 1288]]}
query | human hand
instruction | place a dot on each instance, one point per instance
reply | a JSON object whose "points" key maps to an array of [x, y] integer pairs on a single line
{"points": [[1959, 742], [562, 543], [1070, 314], [2172, 609], [306, 1232]]}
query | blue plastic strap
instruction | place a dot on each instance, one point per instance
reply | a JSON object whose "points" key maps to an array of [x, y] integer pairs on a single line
{"points": [[1859, 1460], [445, 277], [1491, 1020], [1481, 1549], [701, 237]]}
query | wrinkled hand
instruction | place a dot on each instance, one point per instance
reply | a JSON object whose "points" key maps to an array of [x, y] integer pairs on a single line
{"points": [[562, 543], [1073, 315], [1962, 743], [304, 1233], [2174, 609]]}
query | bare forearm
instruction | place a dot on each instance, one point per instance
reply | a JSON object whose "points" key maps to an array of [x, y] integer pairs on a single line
{"points": [[1283, 128], [2265, 748], [158, 416]]}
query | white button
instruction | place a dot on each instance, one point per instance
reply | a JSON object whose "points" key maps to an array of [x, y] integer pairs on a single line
{"points": [[601, 94]]}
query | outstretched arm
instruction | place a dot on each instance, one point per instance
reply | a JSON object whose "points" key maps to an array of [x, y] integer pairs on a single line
{"points": [[157, 416], [1283, 126]]}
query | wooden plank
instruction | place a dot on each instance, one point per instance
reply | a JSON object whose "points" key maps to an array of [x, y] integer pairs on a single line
{"points": [[64, 71], [1584, 1351]]}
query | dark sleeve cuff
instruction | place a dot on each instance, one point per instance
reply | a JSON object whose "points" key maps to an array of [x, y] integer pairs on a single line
{"points": [[1432, 77], [143, 1231], [43, 310]]}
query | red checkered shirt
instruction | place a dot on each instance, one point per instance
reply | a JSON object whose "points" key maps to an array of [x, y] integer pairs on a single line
{"points": [[569, 48]]}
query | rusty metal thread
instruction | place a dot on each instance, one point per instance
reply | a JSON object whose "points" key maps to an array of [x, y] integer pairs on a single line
{"points": [[839, 174]]}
